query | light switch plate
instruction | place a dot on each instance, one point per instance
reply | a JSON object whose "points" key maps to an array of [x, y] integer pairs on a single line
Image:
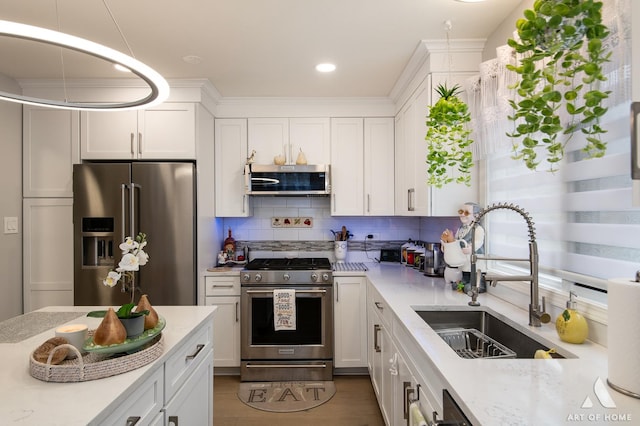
{"points": [[10, 225]]}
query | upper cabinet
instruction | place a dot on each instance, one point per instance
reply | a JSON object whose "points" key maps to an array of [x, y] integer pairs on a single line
{"points": [[270, 137], [50, 148], [362, 167], [230, 158], [166, 132], [412, 195]]}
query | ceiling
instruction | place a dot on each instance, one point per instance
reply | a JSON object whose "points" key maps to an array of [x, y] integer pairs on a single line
{"points": [[255, 48]]}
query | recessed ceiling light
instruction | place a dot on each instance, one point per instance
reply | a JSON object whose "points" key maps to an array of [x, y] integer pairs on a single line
{"points": [[192, 59], [325, 67]]}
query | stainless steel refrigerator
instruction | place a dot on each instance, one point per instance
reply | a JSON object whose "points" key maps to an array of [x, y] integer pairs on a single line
{"points": [[114, 200]]}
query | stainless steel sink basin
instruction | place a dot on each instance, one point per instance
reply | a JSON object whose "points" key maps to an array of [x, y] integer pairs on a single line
{"points": [[499, 331]]}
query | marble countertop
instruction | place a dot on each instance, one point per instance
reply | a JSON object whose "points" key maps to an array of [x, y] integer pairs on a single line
{"points": [[504, 391], [25, 400]]}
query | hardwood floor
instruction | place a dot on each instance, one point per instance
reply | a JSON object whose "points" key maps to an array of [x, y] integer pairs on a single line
{"points": [[354, 404]]}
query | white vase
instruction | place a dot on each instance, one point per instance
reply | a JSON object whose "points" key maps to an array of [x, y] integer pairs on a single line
{"points": [[340, 251]]}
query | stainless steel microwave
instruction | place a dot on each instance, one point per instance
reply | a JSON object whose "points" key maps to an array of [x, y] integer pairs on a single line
{"points": [[287, 180]]}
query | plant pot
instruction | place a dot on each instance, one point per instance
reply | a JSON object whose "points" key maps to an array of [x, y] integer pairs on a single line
{"points": [[134, 325]]}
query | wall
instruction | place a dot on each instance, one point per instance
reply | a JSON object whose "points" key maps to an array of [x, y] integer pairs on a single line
{"points": [[11, 196], [504, 31]]}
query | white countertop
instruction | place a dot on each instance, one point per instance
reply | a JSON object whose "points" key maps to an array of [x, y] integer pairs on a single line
{"points": [[504, 391], [25, 400]]}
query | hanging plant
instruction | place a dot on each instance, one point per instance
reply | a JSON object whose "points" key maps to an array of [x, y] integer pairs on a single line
{"points": [[448, 156], [562, 49]]}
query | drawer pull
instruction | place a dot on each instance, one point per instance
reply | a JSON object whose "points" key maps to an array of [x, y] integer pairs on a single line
{"points": [[174, 420], [376, 345], [222, 286], [379, 305], [199, 347], [132, 420]]}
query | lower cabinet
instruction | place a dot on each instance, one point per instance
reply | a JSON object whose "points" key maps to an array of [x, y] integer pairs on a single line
{"points": [[395, 377], [224, 292], [179, 392], [350, 320]]}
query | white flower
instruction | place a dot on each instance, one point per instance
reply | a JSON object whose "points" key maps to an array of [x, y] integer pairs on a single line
{"points": [[112, 279], [129, 262], [143, 257], [128, 245]]}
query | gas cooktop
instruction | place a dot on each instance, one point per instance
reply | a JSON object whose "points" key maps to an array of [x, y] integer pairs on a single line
{"points": [[292, 264]]}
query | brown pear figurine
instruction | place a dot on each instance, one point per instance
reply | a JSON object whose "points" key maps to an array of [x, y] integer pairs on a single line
{"points": [[150, 320], [110, 331]]}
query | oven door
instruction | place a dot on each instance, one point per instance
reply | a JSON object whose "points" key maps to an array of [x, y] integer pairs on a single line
{"points": [[312, 338]]}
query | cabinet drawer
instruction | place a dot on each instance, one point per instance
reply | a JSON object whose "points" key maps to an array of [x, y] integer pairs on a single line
{"points": [[181, 364], [222, 286], [143, 406], [380, 306]]}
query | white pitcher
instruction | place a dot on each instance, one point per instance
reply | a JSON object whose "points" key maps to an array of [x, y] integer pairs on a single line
{"points": [[453, 255]]}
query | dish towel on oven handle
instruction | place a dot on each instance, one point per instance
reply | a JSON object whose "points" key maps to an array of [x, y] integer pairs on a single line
{"points": [[284, 309], [417, 419]]}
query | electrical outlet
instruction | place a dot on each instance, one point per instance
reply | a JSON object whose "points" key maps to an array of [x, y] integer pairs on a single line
{"points": [[370, 236]]}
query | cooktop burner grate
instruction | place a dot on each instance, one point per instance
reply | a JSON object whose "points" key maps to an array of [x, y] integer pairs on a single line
{"points": [[297, 263]]}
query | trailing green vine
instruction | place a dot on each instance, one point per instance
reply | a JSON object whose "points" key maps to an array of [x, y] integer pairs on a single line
{"points": [[562, 49], [448, 139]]}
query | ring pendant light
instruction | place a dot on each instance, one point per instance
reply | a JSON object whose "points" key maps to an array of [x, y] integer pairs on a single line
{"points": [[158, 85]]}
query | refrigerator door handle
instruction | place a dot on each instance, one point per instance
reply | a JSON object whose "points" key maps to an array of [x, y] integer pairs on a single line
{"points": [[122, 210], [132, 208]]}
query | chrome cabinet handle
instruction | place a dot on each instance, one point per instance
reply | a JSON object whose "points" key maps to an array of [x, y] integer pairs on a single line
{"points": [[376, 346], [368, 203], [635, 147], [410, 192], [132, 420], [237, 317], [174, 420], [139, 143], [199, 347], [379, 305], [133, 140]]}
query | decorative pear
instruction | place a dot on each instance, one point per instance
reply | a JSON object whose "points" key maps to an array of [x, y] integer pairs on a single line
{"points": [[302, 159], [110, 331], [150, 320]]}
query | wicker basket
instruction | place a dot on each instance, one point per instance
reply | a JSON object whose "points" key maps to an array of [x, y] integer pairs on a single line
{"points": [[94, 366]]}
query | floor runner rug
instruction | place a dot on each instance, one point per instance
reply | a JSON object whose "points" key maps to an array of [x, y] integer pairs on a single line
{"points": [[283, 397]]}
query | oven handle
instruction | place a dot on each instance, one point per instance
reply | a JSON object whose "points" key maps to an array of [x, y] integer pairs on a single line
{"points": [[286, 366], [297, 291]]}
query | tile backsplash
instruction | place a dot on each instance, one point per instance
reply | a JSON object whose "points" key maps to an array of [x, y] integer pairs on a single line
{"points": [[388, 228]]}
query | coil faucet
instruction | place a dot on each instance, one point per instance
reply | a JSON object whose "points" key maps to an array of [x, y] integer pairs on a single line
{"points": [[537, 314]]}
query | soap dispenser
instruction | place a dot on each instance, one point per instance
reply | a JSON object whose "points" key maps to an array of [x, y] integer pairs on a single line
{"points": [[571, 325]]}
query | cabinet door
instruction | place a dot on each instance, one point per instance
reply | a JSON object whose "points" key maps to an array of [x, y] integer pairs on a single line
{"points": [[269, 137], [230, 158], [193, 403], [50, 148], [311, 136], [347, 167], [109, 135], [47, 252], [226, 330], [404, 389], [379, 167], [350, 322], [412, 192], [388, 375], [167, 132]]}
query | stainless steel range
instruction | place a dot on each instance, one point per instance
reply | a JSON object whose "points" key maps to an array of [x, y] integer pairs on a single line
{"points": [[302, 352]]}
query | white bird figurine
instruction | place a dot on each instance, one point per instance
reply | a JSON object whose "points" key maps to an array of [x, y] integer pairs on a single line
{"points": [[251, 158]]}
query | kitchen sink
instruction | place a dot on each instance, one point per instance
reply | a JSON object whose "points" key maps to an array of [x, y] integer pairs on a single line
{"points": [[479, 333]]}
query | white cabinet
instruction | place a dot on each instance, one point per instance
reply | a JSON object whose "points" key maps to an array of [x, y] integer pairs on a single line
{"points": [[270, 137], [362, 167], [166, 132], [347, 166], [412, 193], [193, 404], [47, 252], [230, 158], [350, 322], [180, 391], [380, 352], [379, 166], [51, 146], [224, 292]]}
